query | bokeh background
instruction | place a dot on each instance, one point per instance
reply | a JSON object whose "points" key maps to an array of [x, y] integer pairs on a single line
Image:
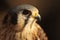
{"points": [[49, 11]]}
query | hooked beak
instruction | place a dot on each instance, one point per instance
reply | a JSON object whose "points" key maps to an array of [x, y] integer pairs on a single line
{"points": [[38, 17]]}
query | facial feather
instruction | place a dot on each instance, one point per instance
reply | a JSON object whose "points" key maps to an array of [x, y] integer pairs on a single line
{"points": [[22, 24]]}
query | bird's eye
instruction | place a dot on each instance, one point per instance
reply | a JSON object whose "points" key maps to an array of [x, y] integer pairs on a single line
{"points": [[25, 12]]}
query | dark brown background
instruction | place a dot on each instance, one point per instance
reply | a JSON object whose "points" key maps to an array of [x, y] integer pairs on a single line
{"points": [[49, 10]]}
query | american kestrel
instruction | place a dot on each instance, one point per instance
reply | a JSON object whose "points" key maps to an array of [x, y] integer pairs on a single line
{"points": [[20, 24]]}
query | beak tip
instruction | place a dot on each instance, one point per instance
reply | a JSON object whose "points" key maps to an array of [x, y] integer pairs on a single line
{"points": [[38, 18]]}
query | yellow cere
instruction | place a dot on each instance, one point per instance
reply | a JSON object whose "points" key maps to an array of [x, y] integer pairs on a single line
{"points": [[34, 13]]}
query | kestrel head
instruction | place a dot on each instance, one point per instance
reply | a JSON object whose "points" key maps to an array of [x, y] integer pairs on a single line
{"points": [[22, 14]]}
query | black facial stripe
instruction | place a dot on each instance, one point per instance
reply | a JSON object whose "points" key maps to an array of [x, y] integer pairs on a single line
{"points": [[26, 21]]}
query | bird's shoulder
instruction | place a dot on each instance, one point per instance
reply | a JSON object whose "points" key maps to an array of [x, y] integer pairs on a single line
{"points": [[41, 33]]}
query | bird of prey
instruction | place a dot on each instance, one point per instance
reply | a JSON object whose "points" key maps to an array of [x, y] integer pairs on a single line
{"points": [[20, 24]]}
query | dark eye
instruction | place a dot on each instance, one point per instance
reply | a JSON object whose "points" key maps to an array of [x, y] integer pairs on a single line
{"points": [[25, 12]]}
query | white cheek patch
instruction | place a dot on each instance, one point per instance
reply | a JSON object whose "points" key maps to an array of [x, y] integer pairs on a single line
{"points": [[21, 16], [31, 18], [21, 19], [25, 18]]}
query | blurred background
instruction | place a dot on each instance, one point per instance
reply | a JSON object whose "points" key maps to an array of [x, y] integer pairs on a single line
{"points": [[49, 11]]}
